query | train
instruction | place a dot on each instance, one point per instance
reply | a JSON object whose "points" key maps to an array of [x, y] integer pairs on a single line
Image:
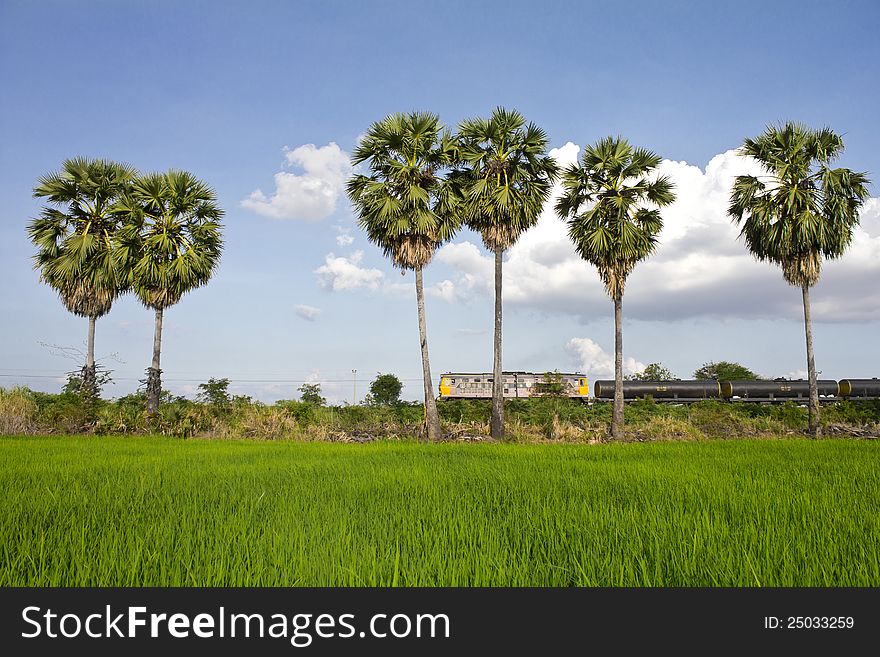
{"points": [[574, 385]]}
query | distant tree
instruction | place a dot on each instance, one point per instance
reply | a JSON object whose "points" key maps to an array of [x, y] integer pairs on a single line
{"points": [[612, 200], [725, 371], [550, 385], [310, 393], [798, 213], [385, 390], [653, 372], [215, 392]]}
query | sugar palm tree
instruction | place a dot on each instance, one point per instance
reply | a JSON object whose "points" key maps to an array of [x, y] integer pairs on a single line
{"points": [[74, 240], [406, 207], [170, 245], [505, 179], [611, 200], [798, 213]]}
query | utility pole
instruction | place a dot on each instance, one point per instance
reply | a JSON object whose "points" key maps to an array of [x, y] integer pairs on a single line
{"points": [[354, 391]]}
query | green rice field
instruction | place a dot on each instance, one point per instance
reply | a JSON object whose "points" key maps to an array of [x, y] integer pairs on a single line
{"points": [[144, 511]]}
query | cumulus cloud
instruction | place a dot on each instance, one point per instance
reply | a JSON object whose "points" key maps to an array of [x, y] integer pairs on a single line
{"points": [[340, 273], [310, 195], [591, 359], [444, 290], [308, 313], [700, 268]]}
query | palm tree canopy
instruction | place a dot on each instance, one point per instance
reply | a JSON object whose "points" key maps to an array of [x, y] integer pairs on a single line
{"points": [[171, 241], [404, 203], [506, 178], [801, 210], [74, 237], [612, 202]]}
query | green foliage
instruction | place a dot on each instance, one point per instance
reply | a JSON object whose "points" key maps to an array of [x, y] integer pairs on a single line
{"points": [[725, 371], [550, 385], [215, 393], [611, 200], [155, 511], [75, 236], [465, 411], [801, 210], [404, 204], [505, 177], [171, 240], [535, 419], [74, 383], [653, 372], [385, 390], [310, 393]]}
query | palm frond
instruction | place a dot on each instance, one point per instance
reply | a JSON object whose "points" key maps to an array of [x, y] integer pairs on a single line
{"points": [[806, 211], [611, 202]]}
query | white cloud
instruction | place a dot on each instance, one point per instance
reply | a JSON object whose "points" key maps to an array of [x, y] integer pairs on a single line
{"points": [[343, 237], [310, 195], [308, 313], [444, 290], [591, 359], [797, 374], [340, 273], [700, 268]]}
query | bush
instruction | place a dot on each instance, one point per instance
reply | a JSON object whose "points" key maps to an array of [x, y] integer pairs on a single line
{"points": [[18, 411], [23, 411]]}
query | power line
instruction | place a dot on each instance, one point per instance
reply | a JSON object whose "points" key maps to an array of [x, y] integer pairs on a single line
{"points": [[201, 380]]}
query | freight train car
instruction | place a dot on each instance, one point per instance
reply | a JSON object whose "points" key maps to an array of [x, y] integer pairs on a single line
{"points": [[770, 391], [517, 385], [860, 388], [678, 391]]}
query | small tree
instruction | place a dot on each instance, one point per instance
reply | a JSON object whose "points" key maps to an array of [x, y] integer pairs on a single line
{"points": [[310, 393], [725, 371], [385, 390], [550, 385], [215, 392], [653, 372]]}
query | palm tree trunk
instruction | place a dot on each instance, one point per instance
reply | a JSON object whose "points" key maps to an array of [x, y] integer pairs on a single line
{"points": [[815, 430], [88, 386], [154, 373], [617, 414], [432, 419], [497, 376]]}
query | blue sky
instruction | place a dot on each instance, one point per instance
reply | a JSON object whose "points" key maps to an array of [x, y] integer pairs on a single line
{"points": [[222, 89]]}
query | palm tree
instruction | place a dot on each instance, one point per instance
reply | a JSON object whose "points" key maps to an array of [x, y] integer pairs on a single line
{"points": [[612, 202], [506, 178], [170, 244], [799, 212], [406, 207], [74, 241]]}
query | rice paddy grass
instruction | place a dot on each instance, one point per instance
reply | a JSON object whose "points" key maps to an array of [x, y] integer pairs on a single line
{"points": [[148, 511]]}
